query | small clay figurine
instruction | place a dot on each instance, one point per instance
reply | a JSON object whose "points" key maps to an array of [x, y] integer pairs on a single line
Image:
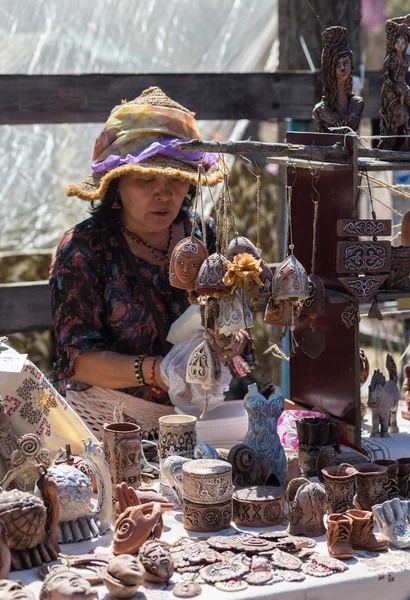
{"points": [[157, 562], [306, 508], [383, 400], [406, 389], [339, 106], [134, 526], [185, 262], [395, 93], [14, 590], [247, 468], [123, 576], [65, 584], [128, 496]]}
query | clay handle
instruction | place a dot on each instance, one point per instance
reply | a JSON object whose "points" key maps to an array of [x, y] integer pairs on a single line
{"points": [[299, 481]]}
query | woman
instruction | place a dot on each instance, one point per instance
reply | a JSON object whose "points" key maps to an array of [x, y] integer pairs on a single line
{"points": [[339, 106], [395, 93], [111, 299]]}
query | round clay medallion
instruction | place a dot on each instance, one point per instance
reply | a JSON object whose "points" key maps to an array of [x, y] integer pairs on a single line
{"points": [[292, 575], [274, 535], [224, 571], [283, 560], [187, 589], [259, 577], [226, 542], [254, 545], [233, 585]]}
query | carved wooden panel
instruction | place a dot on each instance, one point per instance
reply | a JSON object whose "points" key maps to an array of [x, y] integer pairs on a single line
{"points": [[363, 288], [357, 227], [363, 257]]}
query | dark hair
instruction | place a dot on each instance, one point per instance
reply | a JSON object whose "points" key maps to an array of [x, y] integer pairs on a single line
{"points": [[102, 209]]}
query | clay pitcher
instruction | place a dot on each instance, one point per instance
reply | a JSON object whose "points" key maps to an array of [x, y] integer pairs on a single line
{"points": [[122, 450]]}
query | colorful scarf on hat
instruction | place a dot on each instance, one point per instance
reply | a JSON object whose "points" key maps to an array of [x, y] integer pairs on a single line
{"points": [[136, 133]]}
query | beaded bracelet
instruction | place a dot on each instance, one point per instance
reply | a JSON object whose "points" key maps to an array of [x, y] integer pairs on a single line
{"points": [[152, 374], [138, 368]]}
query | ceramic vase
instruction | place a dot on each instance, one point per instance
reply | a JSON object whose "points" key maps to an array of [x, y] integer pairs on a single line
{"points": [[207, 495], [262, 437], [177, 435], [122, 450]]}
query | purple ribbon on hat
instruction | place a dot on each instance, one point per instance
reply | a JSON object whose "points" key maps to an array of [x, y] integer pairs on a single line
{"points": [[162, 148]]}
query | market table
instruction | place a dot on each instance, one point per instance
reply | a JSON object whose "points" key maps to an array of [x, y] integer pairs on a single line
{"points": [[370, 576]]}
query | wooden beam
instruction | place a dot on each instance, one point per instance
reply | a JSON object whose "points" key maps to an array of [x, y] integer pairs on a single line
{"points": [[24, 307], [89, 98]]}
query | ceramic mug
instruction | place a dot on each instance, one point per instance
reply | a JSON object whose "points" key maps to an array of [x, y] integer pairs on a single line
{"points": [[123, 452], [177, 435]]}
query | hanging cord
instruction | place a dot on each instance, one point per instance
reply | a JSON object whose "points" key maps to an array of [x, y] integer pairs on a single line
{"points": [[290, 232], [374, 217], [258, 213], [198, 187], [201, 195], [315, 178]]}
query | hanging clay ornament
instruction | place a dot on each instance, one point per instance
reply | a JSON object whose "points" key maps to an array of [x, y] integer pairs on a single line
{"points": [[374, 312], [204, 366], [266, 276], [315, 304], [185, 263], [210, 277], [290, 281], [233, 314], [282, 313], [241, 245]]}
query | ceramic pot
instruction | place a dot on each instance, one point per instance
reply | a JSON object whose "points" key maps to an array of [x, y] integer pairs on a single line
{"points": [[306, 508], [207, 481], [314, 434], [177, 436], [262, 437], [122, 450], [259, 506], [371, 486], [340, 486], [392, 476], [207, 518]]}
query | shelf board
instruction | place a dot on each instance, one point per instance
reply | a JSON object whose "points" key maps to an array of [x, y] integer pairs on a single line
{"points": [[363, 164], [333, 297]]}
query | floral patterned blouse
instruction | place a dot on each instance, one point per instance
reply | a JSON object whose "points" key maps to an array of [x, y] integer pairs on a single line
{"points": [[97, 304]]}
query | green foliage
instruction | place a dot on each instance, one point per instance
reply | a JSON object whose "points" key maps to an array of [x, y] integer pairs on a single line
{"points": [[397, 8]]}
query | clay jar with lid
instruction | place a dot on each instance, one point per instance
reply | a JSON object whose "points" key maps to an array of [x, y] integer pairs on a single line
{"points": [[259, 506], [207, 495]]}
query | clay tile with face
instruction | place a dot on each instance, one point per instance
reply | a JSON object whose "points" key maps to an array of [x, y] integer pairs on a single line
{"points": [[157, 561], [185, 262], [66, 584]]}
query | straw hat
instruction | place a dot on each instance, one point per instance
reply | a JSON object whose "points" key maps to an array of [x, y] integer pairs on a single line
{"points": [[117, 149]]}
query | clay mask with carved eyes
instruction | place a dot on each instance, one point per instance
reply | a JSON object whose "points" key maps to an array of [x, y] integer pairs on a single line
{"points": [[158, 561], [186, 260], [343, 68], [67, 585]]}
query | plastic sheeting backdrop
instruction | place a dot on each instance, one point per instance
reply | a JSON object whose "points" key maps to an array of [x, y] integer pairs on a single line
{"points": [[107, 36]]}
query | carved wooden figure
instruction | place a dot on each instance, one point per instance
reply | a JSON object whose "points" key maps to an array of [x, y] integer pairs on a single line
{"points": [[395, 93], [339, 106], [383, 400]]}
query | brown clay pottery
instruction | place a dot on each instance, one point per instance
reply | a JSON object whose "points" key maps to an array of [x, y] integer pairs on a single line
{"points": [[123, 576], [135, 525], [157, 562], [66, 584], [210, 277], [340, 486], [306, 508], [258, 506], [371, 485], [14, 590], [185, 262], [122, 450]]}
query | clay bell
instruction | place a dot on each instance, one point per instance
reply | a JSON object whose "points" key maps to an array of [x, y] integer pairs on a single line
{"points": [[290, 280], [185, 262], [315, 304], [204, 366], [282, 313], [233, 314], [241, 245], [266, 276], [210, 277], [307, 506]]}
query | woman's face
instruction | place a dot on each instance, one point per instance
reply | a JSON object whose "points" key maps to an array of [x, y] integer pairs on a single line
{"points": [[343, 69], [150, 202], [400, 44]]}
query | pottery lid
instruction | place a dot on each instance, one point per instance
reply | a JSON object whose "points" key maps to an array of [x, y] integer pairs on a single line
{"points": [[259, 492], [206, 466]]}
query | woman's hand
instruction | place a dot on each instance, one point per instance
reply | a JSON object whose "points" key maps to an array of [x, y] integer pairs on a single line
{"points": [[152, 366], [228, 347]]}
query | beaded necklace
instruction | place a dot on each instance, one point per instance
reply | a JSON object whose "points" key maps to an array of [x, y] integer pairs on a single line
{"points": [[153, 250]]}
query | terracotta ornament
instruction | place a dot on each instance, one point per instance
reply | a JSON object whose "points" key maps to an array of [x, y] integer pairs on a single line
{"points": [[323, 566], [339, 530], [263, 413], [5, 556], [128, 496], [25, 463], [65, 584], [157, 562], [395, 94], [284, 560], [224, 571], [187, 589], [14, 590], [339, 106], [123, 576], [259, 506], [135, 525], [306, 508], [371, 486], [233, 314], [291, 575], [210, 277], [48, 488], [282, 313], [392, 518], [247, 468], [122, 450], [383, 400], [253, 545], [185, 263], [340, 486], [290, 281], [232, 585]]}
